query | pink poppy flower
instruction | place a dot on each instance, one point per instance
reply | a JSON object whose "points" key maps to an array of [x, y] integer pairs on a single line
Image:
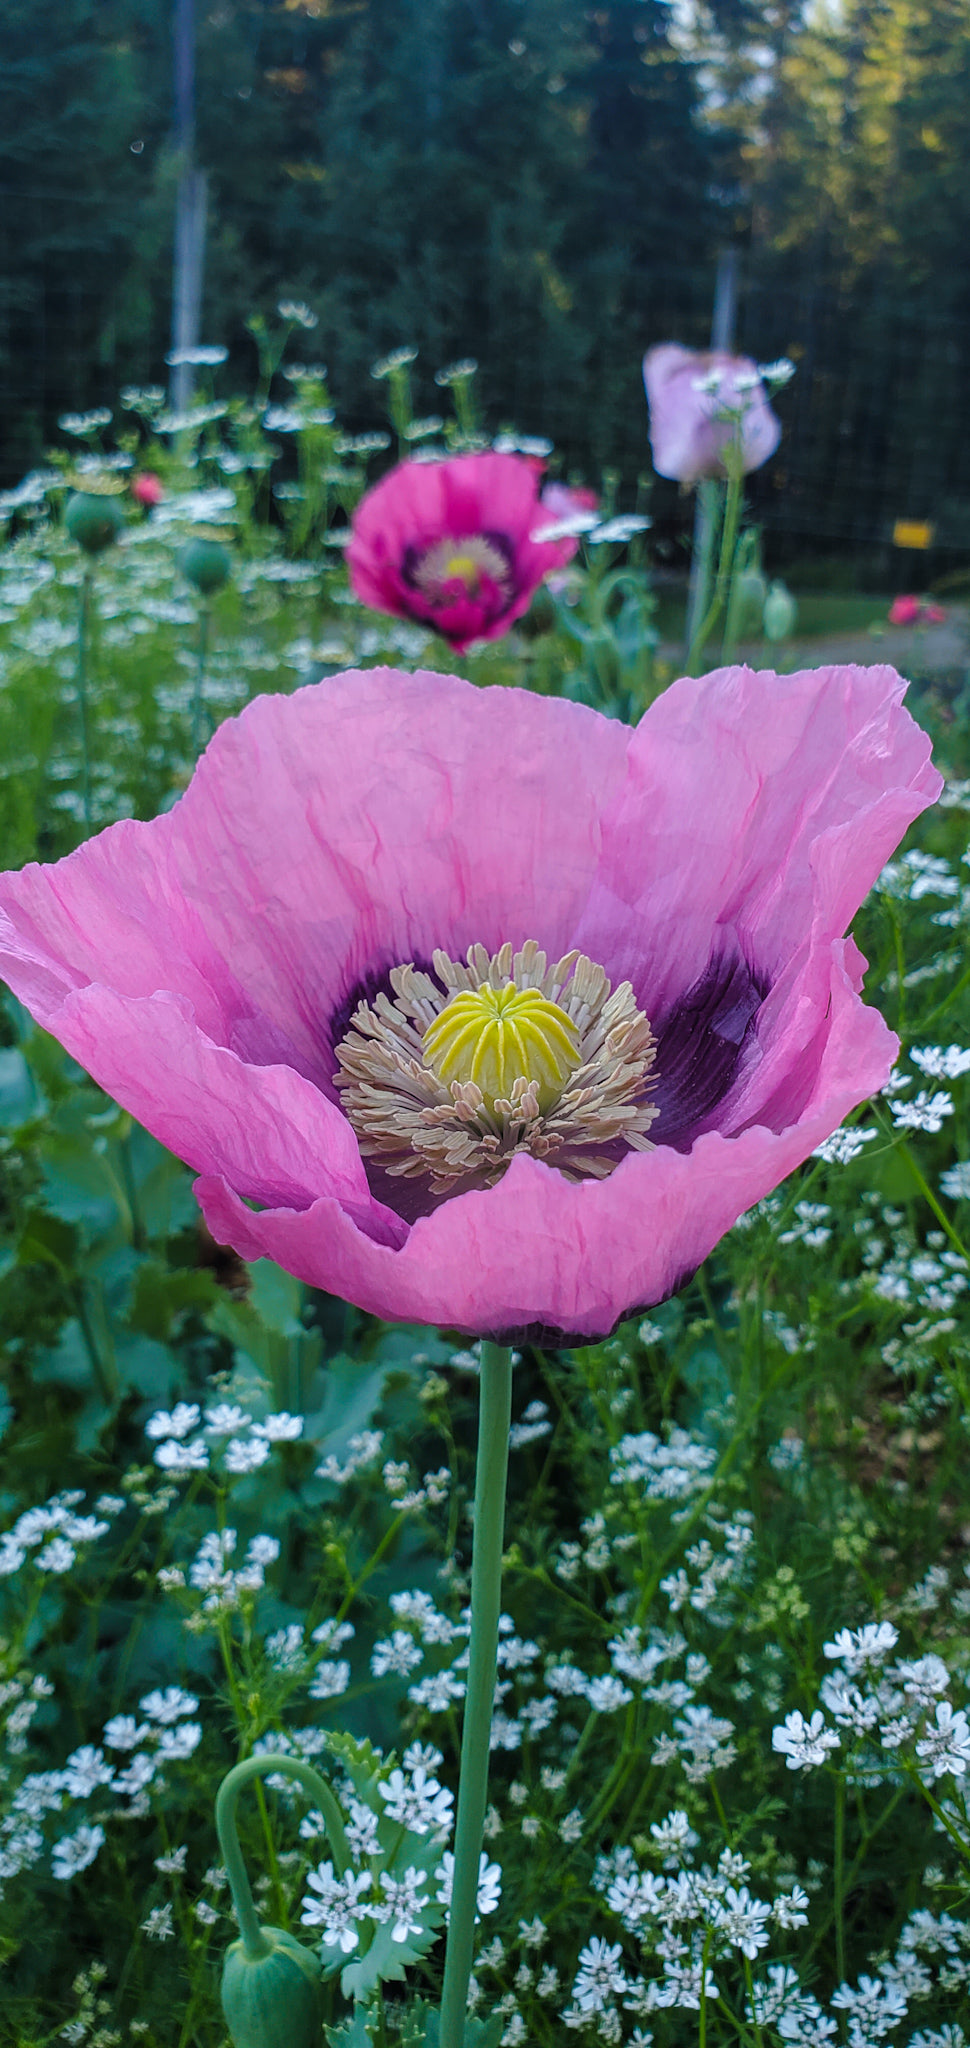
{"points": [[583, 988], [701, 402], [450, 543], [567, 501], [904, 611], [147, 488]]}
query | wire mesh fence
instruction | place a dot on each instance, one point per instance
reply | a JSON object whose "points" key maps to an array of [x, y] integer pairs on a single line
{"points": [[877, 420]]}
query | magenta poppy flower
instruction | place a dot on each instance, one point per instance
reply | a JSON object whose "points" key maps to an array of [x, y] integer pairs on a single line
{"points": [[450, 543], [147, 488], [701, 403], [478, 1008]]}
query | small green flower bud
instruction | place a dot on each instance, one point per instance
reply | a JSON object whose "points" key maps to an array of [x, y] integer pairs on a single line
{"points": [[275, 1997], [780, 613], [93, 520], [752, 591], [206, 563]]}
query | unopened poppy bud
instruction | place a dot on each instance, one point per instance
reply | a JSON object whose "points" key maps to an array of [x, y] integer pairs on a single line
{"points": [[94, 521], [752, 591], [274, 1997], [206, 563], [780, 613]]}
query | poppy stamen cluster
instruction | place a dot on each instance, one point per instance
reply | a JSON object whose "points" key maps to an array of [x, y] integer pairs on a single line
{"points": [[460, 1071], [478, 566]]}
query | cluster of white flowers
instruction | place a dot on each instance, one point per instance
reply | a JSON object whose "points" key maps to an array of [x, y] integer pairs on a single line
{"points": [[708, 1574], [913, 875], [882, 1714], [163, 1733], [210, 1573], [53, 1536], [811, 1225], [343, 1904], [227, 1438], [674, 1470]]}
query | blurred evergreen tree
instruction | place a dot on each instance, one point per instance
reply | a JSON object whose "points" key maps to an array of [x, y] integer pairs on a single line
{"points": [[80, 115], [503, 178]]}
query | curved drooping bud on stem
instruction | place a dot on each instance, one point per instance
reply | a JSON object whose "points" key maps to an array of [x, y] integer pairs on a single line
{"points": [[270, 1982]]}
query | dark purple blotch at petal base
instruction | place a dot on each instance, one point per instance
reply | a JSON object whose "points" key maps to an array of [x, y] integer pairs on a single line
{"points": [[700, 1047]]}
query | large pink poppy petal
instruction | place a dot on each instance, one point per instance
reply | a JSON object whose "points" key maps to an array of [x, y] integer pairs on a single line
{"points": [[537, 1252], [755, 804], [300, 858]]}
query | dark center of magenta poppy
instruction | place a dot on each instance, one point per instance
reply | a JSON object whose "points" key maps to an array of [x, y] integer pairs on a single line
{"points": [[475, 567]]}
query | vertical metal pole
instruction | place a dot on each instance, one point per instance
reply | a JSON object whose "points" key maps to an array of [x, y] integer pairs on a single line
{"points": [[722, 337], [190, 208]]}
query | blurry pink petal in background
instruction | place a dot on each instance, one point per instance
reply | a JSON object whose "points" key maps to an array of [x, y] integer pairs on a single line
{"points": [[450, 545], [147, 488], [205, 967], [701, 402], [904, 611]]}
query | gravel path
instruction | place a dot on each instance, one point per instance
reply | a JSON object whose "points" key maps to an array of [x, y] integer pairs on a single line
{"points": [[914, 651]]}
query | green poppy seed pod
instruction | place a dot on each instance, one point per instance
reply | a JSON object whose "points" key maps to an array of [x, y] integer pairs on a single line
{"points": [[273, 1998], [206, 563], [780, 613], [93, 521]]}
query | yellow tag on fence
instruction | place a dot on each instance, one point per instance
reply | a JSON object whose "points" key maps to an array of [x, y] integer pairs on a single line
{"points": [[912, 533]]}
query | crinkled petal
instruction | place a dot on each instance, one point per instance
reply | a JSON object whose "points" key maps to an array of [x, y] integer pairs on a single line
{"points": [[197, 964]]}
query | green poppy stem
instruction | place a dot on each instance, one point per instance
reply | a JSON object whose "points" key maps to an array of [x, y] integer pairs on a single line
{"points": [[495, 1411], [725, 566], [198, 698], [252, 1936], [85, 588]]}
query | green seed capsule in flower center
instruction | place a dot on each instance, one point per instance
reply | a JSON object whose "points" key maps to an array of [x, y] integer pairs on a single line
{"points": [[494, 1036]]}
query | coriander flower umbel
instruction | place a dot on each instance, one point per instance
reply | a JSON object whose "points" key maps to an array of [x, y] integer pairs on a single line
{"points": [[475, 1007]]}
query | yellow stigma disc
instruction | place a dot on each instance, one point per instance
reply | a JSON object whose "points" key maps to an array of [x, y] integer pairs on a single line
{"points": [[463, 569], [493, 1036]]}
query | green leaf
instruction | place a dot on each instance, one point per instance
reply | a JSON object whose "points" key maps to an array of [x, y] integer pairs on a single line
{"points": [[45, 1239], [19, 1095], [352, 2033], [80, 1186], [386, 1961], [68, 1362], [476, 2033]]}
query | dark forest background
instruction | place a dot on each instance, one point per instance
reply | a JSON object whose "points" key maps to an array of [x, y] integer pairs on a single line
{"points": [[543, 184]]}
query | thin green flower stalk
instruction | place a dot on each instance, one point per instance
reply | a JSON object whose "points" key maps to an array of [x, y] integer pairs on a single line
{"points": [[747, 584], [395, 371], [206, 564], [495, 1412], [198, 688], [726, 564], [84, 597]]}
